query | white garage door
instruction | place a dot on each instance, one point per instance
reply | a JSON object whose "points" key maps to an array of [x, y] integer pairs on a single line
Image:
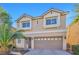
{"points": [[48, 43]]}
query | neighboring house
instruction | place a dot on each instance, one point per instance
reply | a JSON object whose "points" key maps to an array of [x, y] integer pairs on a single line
{"points": [[73, 35], [47, 31]]}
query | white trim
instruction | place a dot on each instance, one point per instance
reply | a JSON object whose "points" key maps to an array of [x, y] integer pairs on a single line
{"points": [[39, 32], [64, 43]]}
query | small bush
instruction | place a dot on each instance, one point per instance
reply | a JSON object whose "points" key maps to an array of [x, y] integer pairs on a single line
{"points": [[14, 47], [75, 49], [11, 46]]}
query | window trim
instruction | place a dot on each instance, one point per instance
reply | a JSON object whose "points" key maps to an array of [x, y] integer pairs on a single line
{"points": [[52, 25], [27, 28], [50, 19], [24, 24]]}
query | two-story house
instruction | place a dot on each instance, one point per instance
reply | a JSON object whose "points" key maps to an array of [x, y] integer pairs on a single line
{"points": [[47, 31]]}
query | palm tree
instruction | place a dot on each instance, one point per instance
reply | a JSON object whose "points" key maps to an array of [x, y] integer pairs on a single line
{"points": [[75, 20], [76, 10], [6, 33]]}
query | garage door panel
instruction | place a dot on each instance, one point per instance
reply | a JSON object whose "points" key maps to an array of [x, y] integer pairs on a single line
{"points": [[48, 43]]}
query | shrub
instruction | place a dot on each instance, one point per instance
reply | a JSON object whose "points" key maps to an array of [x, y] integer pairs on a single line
{"points": [[75, 49], [11, 46]]}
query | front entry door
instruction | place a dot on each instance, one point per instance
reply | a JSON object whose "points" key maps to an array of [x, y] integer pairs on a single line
{"points": [[28, 42]]}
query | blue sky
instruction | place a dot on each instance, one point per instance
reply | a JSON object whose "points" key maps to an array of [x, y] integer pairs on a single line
{"points": [[36, 9]]}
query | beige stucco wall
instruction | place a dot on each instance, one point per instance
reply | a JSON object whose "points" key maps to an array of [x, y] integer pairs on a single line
{"points": [[19, 24], [40, 25], [21, 44]]}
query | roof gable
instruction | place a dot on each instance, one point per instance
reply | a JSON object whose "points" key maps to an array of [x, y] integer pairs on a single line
{"points": [[55, 10], [52, 9], [24, 15]]}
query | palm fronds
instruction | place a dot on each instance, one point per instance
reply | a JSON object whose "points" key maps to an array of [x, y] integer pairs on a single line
{"points": [[6, 33], [75, 20]]}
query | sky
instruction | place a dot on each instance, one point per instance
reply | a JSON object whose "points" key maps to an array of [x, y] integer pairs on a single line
{"points": [[36, 9]]}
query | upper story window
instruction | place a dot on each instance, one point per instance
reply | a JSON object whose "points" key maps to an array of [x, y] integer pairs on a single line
{"points": [[26, 24], [51, 21]]}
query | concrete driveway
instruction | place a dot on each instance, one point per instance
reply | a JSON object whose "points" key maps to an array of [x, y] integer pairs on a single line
{"points": [[47, 52]]}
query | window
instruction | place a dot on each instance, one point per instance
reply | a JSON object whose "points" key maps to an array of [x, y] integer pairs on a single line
{"points": [[51, 21], [19, 40], [26, 24], [48, 22]]}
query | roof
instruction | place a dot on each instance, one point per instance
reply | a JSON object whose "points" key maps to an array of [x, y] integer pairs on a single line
{"points": [[24, 15], [55, 10], [52, 9]]}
